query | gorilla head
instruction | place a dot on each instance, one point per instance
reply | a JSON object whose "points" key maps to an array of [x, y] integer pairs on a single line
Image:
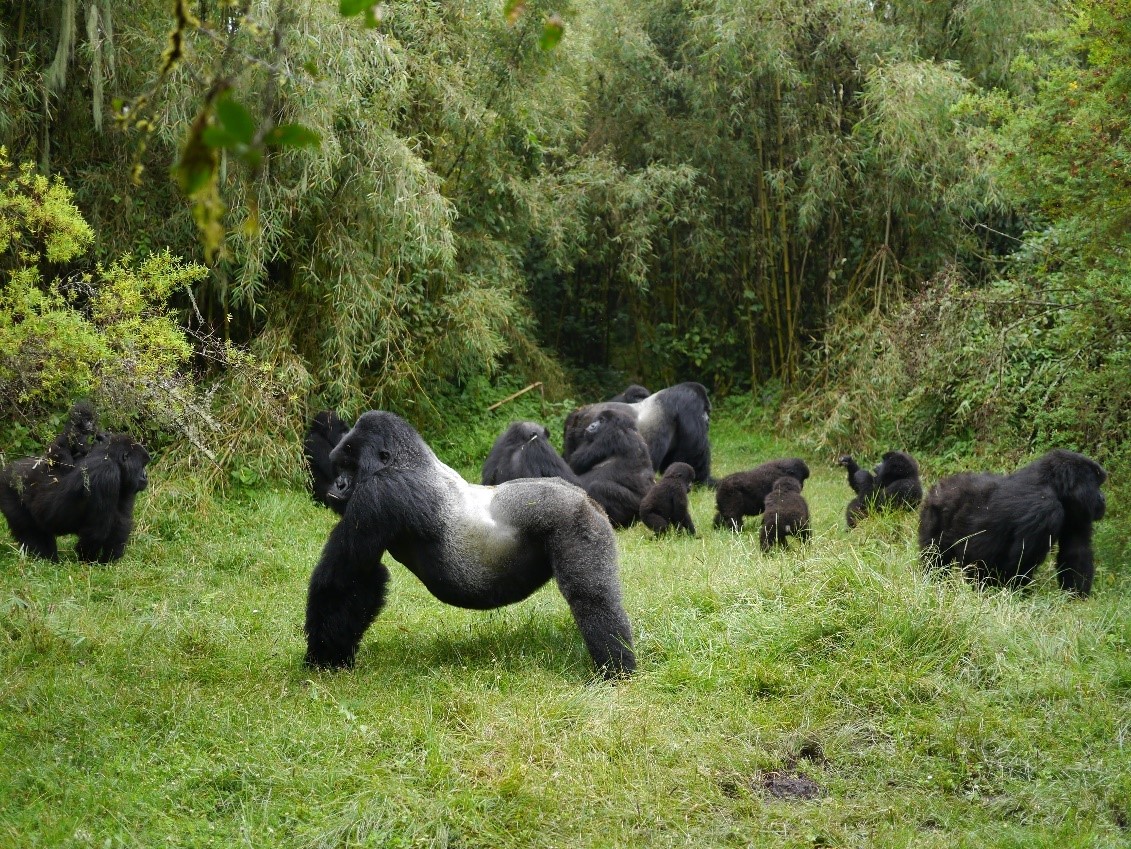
{"points": [[471, 546], [999, 528]]}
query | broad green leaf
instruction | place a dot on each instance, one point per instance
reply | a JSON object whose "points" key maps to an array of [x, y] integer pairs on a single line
{"points": [[513, 9], [234, 117], [551, 32], [294, 135], [346, 8]]}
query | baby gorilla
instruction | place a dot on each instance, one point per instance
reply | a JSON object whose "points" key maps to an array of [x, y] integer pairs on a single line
{"points": [[744, 493], [77, 438], [472, 546], [999, 528], [525, 451], [611, 460], [786, 515], [665, 505]]}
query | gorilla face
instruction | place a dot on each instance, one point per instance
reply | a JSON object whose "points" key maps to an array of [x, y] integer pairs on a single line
{"points": [[379, 441]]}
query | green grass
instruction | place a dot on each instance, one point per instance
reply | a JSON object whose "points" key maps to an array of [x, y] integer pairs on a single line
{"points": [[162, 701]]}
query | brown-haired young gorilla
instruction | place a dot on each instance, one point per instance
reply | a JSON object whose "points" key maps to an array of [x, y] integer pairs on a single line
{"points": [[744, 493], [786, 514], [664, 508]]}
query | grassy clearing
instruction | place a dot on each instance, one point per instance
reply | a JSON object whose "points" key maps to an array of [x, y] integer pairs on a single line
{"points": [[162, 701]]}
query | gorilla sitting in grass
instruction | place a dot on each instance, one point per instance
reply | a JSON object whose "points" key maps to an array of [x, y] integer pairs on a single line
{"points": [[472, 546]]}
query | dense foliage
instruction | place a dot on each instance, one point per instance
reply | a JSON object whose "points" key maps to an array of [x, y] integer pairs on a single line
{"points": [[407, 206]]}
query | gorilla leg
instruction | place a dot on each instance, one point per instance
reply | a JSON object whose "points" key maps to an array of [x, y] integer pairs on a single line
{"points": [[592, 590], [345, 597], [1075, 567]]}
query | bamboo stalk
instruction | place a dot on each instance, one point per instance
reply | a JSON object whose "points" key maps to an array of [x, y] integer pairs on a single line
{"points": [[514, 395]]}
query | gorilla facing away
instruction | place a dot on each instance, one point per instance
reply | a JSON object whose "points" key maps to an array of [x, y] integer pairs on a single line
{"points": [[665, 506], [999, 528], [78, 436], [94, 499], [471, 546], [744, 493], [326, 430], [524, 451], [611, 462], [674, 423], [895, 484], [786, 514]]}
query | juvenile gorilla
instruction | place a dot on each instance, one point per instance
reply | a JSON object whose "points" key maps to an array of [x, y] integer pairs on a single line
{"points": [[326, 430], [611, 461], [786, 514], [895, 484], [744, 493], [674, 423], [999, 528], [524, 451], [94, 499], [79, 435], [665, 505], [471, 546]]}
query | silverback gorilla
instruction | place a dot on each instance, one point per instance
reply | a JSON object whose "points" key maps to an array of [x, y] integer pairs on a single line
{"points": [[471, 546], [674, 423], [94, 499], [525, 451], [999, 528], [326, 430]]}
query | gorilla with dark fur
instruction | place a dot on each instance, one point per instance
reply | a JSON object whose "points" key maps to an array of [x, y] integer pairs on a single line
{"points": [[895, 484], [471, 546], [999, 528], [665, 505], [525, 451], [94, 499], [78, 436], [674, 423], [633, 392], [786, 514], [611, 461], [744, 493], [326, 431]]}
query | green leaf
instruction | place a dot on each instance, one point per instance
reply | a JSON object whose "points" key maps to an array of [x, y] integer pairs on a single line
{"points": [[347, 8], [551, 32], [235, 118], [293, 135], [513, 9], [217, 136]]}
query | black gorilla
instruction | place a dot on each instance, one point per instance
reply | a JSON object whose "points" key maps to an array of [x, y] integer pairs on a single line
{"points": [[633, 392], [524, 451], [786, 514], [79, 435], [94, 499], [674, 423], [1000, 527], [472, 546], [744, 493], [665, 505], [326, 430], [895, 484], [611, 461]]}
